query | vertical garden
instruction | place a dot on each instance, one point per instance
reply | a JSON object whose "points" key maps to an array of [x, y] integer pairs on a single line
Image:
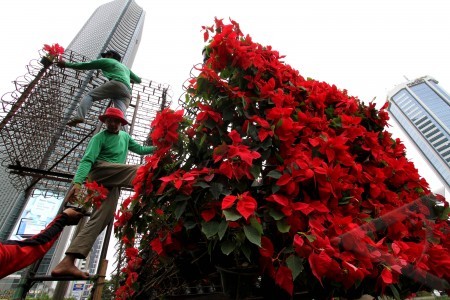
{"points": [[265, 171]]}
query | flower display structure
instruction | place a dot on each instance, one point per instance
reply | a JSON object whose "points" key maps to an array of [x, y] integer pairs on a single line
{"points": [[266, 168]]}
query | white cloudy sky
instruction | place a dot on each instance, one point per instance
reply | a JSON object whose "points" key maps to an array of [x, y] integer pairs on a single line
{"points": [[364, 46]]}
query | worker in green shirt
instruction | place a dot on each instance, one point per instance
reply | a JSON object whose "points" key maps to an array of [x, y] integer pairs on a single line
{"points": [[103, 162], [117, 89]]}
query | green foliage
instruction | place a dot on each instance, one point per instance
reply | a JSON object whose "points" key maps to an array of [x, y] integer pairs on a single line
{"points": [[108, 290]]}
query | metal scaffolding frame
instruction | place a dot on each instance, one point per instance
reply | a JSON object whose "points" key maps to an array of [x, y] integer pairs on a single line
{"points": [[40, 152]]}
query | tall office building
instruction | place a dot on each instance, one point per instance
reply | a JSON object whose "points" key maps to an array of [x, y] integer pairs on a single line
{"points": [[115, 25], [421, 107]]}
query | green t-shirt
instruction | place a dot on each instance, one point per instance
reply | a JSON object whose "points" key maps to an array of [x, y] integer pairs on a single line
{"points": [[110, 147], [111, 68]]}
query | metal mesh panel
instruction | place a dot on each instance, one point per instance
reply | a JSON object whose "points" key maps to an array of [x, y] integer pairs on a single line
{"points": [[39, 149]]}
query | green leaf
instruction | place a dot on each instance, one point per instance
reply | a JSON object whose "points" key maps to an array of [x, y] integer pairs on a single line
{"points": [[395, 292], [256, 183], [201, 83], [445, 213], [255, 224], [180, 198], [252, 235], [311, 238], [279, 158], [241, 186], [243, 102], [265, 155], [202, 184], [216, 189], [180, 207], [223, 226], [279, 123], [283, 226], [252, 131], [164, 196], [336, 123], [295, 263], [227, 247], [267, 143], [202, 141], [329, 111], [274, 174], [210, 228], [231, 215], [276, 215], [209, 123], [275, 189], [247, 251], [255, 170], [189, 224], [288, 250], [345, 200], [226, 73], [228, 114]]}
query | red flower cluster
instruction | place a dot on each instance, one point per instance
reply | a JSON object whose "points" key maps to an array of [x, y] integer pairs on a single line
{"points": [[96, 194], [91, 195], [134, 262], [290, 174], [165, 126], [164, 136], [53, 51]]}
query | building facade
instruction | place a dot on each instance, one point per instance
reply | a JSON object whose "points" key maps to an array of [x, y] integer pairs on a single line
{"points": [[421, 108], [8, 199], [115, 25]]}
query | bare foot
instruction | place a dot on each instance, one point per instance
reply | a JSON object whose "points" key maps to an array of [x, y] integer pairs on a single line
{"points": [[67, 268]]}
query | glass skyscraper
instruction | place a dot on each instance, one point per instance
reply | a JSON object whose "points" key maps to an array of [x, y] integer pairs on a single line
{"points": [[115, 25], [421, 108]]}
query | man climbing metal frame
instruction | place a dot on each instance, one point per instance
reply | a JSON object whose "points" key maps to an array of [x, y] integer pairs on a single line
{"points": [[117, 89], [102, 162]]}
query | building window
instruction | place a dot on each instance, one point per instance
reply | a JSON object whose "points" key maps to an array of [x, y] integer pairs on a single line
{"points": [[423, 125]]}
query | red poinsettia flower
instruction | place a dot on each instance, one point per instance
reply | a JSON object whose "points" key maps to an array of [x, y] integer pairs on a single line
{"points": [[91, 195], [245, 204], [53, 51]]}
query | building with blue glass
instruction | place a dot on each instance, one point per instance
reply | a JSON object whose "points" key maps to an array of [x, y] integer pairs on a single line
{"points": [[421, 108]]}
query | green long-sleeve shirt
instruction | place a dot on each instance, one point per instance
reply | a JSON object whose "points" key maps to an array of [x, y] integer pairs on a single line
{"points": [[110, 147], [111, 68]]}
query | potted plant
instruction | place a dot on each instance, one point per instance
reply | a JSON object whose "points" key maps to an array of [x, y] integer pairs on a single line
{"points": [[91, 196], [264, 168], [53, 52]]}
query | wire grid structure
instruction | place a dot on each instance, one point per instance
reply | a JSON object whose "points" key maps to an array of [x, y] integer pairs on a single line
{"points": [[190, 110], [41, 152]]}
